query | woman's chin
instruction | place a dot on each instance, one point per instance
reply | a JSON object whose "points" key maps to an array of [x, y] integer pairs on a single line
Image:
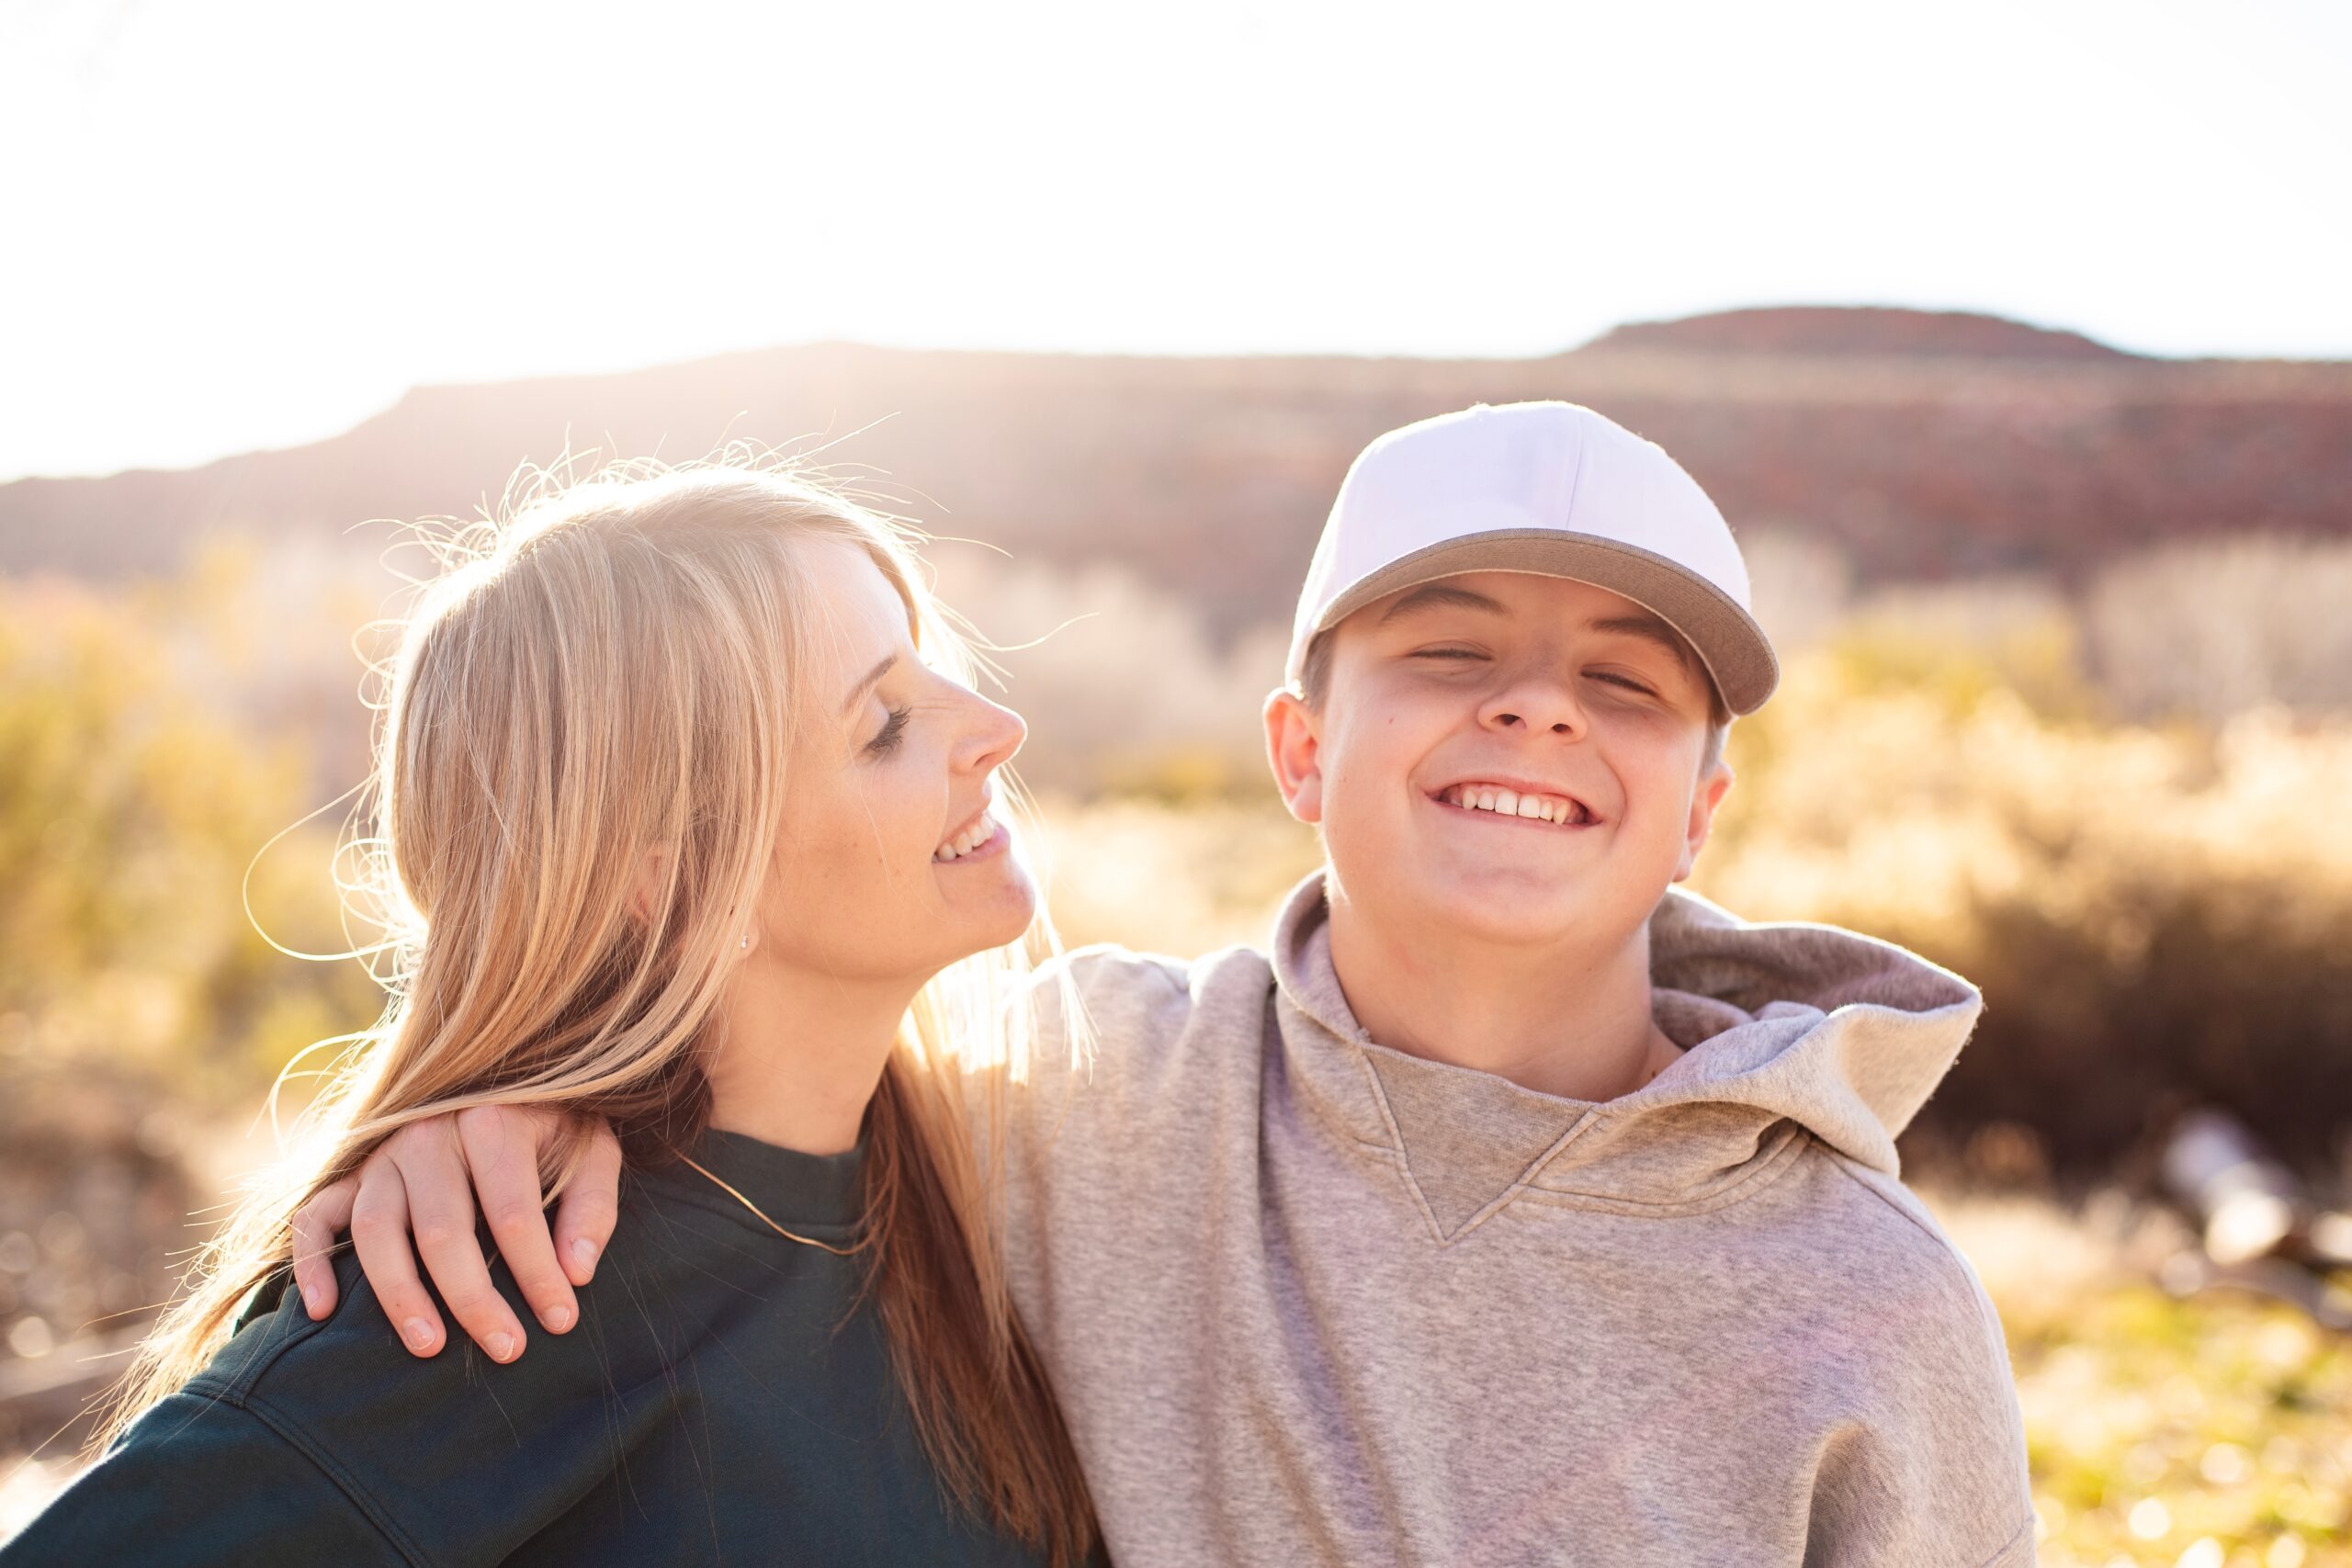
{"points": [[998, 910]]}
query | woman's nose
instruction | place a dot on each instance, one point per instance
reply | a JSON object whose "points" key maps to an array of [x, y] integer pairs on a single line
{"points": [[996, 734]]}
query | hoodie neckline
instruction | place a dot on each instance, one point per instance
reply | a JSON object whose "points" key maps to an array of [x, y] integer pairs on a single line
{"points": [[1788, 1028]]}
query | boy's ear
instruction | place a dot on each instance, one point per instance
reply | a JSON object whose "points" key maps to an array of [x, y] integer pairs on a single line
{"points": [[1703, 817], [1294, 749]]}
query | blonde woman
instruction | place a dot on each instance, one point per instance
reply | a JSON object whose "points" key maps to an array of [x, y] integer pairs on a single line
{"points": [[694, 823]]}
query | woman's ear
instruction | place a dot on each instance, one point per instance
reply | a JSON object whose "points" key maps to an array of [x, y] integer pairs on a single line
{"points": [[1294, 749], [648, 889]]}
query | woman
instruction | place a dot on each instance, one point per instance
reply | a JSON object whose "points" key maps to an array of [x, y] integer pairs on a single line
{"points": [[690, 819]]}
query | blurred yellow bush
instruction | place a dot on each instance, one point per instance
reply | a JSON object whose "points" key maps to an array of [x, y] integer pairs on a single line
{"points": [[2156, 914], [131, 803]]}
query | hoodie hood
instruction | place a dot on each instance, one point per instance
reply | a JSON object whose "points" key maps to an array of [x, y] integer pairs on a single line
{"points": [[1788, 1028]]}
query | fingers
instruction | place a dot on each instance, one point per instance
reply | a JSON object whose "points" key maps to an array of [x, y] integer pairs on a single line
{"points": [[591, 1205], [379, 1233], [501, 1147], [315, 1225], [432, 1170]]}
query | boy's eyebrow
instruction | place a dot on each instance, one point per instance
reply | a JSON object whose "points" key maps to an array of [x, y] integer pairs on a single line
{"points": [[1435, 595], [1650, 630], [873, 678]]}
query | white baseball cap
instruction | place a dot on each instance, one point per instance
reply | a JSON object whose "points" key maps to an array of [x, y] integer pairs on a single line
{"points": [[1550, 488]]}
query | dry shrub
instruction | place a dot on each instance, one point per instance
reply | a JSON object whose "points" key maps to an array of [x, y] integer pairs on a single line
{"points": [[133, 801], [2157, 915], [1802, 585], [1117, 676], [1175, 879], [2217, 626]]}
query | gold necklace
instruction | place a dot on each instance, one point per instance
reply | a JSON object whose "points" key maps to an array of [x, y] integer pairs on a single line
{"points": [[790, 1236]]}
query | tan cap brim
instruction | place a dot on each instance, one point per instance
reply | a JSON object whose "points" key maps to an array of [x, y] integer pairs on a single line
{"points": [[1729, 643]]}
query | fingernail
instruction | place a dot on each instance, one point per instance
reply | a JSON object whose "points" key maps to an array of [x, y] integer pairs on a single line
{"points": [[557, 1319], [418, 1333], [310, 1302], [502, 1347], [583, 1252]]}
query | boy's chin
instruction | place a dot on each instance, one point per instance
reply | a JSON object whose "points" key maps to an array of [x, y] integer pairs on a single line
{"points": [[1524, 922], [1505, 905]]}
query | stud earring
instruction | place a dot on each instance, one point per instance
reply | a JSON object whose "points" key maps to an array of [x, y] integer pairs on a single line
{"points": [[746, 943]]}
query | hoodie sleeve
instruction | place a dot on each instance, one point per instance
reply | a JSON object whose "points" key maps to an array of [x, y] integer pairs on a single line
{"points": [[1932, 1472]]}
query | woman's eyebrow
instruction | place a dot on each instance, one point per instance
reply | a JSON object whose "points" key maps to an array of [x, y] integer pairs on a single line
{"points": [[873, 678]]}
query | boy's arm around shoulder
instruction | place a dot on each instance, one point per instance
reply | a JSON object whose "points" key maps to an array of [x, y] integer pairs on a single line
{"points": [[211, 1475], [1936, 1473]]}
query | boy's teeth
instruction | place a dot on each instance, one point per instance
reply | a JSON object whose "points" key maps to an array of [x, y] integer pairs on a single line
{"points": [[1507, 803]]}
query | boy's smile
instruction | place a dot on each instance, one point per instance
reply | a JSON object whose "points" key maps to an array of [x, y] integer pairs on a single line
{"points": [[1516, 800], [1507, 756]]}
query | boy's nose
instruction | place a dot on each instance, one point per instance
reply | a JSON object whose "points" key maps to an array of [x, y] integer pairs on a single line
{"points": [[1536, 703]]}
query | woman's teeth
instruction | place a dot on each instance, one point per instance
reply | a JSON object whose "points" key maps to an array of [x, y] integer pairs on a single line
{"points": [[1507, 803], [971, 839]]}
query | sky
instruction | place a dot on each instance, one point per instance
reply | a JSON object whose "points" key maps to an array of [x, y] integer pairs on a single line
{"points": [[246, 224]]}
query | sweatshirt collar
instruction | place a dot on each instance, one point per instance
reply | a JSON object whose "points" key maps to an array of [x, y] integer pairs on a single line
{"points": [[1787, 1026]]}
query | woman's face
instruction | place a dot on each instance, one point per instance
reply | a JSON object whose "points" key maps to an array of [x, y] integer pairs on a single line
{"points": [[890, 865]]}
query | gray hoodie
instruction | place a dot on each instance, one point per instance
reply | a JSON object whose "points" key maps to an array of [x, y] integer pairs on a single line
{"points": [[1310, 1301]]}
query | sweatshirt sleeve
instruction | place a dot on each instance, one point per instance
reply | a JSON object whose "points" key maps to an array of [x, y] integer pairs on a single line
{"points": [[1933, 1472], [200, 1479], [1878, 1502]]}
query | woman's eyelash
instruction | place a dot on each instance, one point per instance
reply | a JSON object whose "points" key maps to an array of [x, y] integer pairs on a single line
{"points": [[883, 744]]}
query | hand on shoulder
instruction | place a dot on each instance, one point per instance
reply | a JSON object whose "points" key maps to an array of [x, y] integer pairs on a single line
{"points": [[419, 1195]]}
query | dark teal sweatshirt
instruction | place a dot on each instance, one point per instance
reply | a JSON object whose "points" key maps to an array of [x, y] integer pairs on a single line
{"points": [[723, 1399]]}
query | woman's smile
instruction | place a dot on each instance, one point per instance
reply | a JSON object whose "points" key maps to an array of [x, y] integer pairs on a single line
{"points": [[983, 837]]}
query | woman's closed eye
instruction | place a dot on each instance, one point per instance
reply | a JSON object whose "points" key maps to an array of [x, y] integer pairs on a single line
{"points": [[893, 730]]}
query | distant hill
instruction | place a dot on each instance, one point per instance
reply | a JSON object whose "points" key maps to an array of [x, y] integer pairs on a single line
{"points": [[1927, 444], [1856, 329]]}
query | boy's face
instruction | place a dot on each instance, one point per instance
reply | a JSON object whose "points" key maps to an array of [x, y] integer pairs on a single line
{"points": [[1442, 696]]}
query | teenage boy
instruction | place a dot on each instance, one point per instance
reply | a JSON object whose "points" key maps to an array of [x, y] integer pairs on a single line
{"points": [[1515, 1206]]}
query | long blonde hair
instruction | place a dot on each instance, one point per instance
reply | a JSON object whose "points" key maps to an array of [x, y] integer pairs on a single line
{"points": [[611, 670]]}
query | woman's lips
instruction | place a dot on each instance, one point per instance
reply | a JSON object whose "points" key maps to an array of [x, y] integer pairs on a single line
{"points": [[982, 837]]}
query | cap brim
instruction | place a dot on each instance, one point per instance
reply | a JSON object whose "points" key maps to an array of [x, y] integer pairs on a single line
{"points": [[1729, 642]]}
